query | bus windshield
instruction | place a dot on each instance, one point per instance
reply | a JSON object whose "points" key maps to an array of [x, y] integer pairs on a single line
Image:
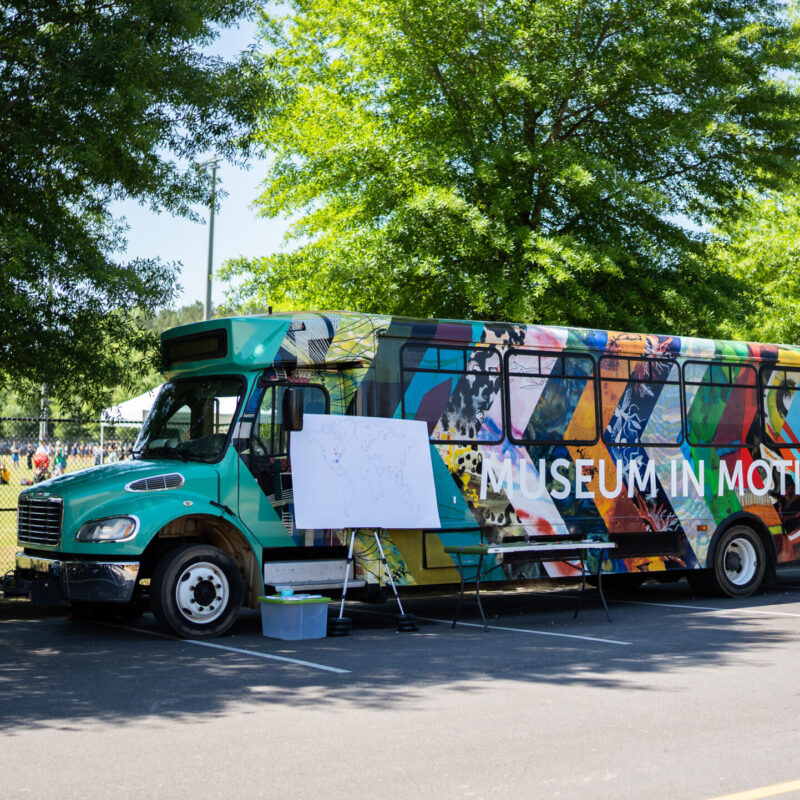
{"points": [[191, 419]]}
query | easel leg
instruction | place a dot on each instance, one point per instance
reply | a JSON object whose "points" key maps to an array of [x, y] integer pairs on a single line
{"points": [[340, 626], [405, 622], [347, 571]]}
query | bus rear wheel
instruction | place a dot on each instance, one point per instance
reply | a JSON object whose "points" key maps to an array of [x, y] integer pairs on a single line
{"points": [[196, 591], [740, 562]]}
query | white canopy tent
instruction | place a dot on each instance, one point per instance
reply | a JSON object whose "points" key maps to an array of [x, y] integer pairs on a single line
{"points": [[134, 410]]}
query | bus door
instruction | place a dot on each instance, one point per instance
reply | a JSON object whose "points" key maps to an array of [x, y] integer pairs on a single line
{"points": [[269, 451]]}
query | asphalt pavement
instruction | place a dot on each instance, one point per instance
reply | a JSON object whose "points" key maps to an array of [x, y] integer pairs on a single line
{"points": [[677, 696]]}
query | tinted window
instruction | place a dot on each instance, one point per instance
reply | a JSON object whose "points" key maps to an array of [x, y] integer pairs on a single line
{"points": [[269, 424], [452, 389], [721, 404], [780, 405], [640, 401], [551, 398]]}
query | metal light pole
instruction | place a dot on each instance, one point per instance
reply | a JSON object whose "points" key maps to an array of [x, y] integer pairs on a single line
{"points": [[44, 413], [213, 163]]}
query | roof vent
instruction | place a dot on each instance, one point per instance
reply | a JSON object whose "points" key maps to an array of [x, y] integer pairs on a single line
{"points": [[158, 483]]}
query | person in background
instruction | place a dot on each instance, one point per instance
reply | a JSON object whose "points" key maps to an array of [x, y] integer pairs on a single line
{"points": [[59, 460], [29, 454], [15, 455]]}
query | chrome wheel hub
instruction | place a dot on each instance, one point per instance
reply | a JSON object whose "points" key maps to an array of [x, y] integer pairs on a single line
{"points": [[202, 592]]}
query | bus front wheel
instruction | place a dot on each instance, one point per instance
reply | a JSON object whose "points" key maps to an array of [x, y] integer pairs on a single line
{"points": [[740, 561], [196, 591]]}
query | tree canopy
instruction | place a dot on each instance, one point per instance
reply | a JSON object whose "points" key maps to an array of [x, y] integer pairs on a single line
{"points": [[557, 161], [762, 246], [103, 101]]}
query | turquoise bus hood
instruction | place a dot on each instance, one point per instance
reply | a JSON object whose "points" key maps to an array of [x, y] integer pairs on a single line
{"points": [[108, 478], [100, 492]]}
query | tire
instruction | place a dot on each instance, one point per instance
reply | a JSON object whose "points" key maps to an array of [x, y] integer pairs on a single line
{"points": [[196, 591], [740, 561]]}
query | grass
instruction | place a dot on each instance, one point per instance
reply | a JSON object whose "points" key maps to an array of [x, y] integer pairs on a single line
{"points": [[9, 493]]}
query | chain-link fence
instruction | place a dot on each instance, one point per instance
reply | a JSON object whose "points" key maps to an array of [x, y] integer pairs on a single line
{"points": [[33, 450]]}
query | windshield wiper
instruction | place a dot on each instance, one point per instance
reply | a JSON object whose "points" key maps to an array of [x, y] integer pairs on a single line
{"points": [[165, 450]]}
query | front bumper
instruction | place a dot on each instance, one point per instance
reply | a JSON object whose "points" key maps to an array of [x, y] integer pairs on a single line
{"points": [[82, 581]]}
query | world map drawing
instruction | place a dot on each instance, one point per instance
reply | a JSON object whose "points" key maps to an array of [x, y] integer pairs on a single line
{"points": [[362, 472]]}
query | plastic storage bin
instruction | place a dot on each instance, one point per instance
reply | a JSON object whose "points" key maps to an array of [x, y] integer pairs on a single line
{"points": [[295, 616]]}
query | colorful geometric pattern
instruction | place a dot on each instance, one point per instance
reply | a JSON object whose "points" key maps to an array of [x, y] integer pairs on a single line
{"points": [[652, 441]]}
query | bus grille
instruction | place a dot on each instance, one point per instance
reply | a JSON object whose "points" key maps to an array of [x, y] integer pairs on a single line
{"points": [[39, 521]]}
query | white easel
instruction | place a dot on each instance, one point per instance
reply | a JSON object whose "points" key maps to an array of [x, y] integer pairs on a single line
{"points": [[340, 626]]}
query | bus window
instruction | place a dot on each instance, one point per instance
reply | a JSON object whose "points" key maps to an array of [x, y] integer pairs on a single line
{"points": [[268, 431], [191, 417], [452, 388], [781, 406], [721, 404], [640, 401], [551, 398]]}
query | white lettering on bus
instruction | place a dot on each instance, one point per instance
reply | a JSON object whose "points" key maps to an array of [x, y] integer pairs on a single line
{"points": [[635, 478], [615, 492], [488, 474], [698, 482], [563, 480], [527, 492], [766, 484], [582, 478], [732, 481], [757, 478], [782, 466]]}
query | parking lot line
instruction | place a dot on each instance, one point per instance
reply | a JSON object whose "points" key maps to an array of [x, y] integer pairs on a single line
{"points": [[763, 611], [763, 792], [528, 630], [255, 653]]}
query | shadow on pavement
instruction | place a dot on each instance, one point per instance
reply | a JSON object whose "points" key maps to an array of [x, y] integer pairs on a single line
{"points": [[56, 672]]}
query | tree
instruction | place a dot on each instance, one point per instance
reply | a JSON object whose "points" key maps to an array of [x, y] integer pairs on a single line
{"points": [[103, 100], [556, 161], [762, 246], [147, 372]]}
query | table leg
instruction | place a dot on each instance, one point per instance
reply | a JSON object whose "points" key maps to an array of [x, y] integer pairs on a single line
{"points": [[599, 576], [478, 591], [583, 585], [461, 595]]}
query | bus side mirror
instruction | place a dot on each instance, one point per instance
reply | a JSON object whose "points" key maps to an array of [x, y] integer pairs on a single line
{"points": [[292, 409]]}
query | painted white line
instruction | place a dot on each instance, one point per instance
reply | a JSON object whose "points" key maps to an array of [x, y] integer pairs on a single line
{"points": [[527, 630], [708, 608], [310, 664], [764, 792], [254, 653], [496, 627]]}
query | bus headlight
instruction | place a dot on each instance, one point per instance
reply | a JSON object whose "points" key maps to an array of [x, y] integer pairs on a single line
{"points": [[112, 529]]}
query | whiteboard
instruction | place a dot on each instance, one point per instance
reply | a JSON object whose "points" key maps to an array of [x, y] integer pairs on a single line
{"points": [[362, 472]]}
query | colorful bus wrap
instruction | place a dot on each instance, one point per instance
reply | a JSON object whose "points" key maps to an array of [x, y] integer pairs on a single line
{"points": [[684, 452]]}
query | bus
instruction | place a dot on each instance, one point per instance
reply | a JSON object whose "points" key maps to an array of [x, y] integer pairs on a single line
{"points": [[684, 452]]}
